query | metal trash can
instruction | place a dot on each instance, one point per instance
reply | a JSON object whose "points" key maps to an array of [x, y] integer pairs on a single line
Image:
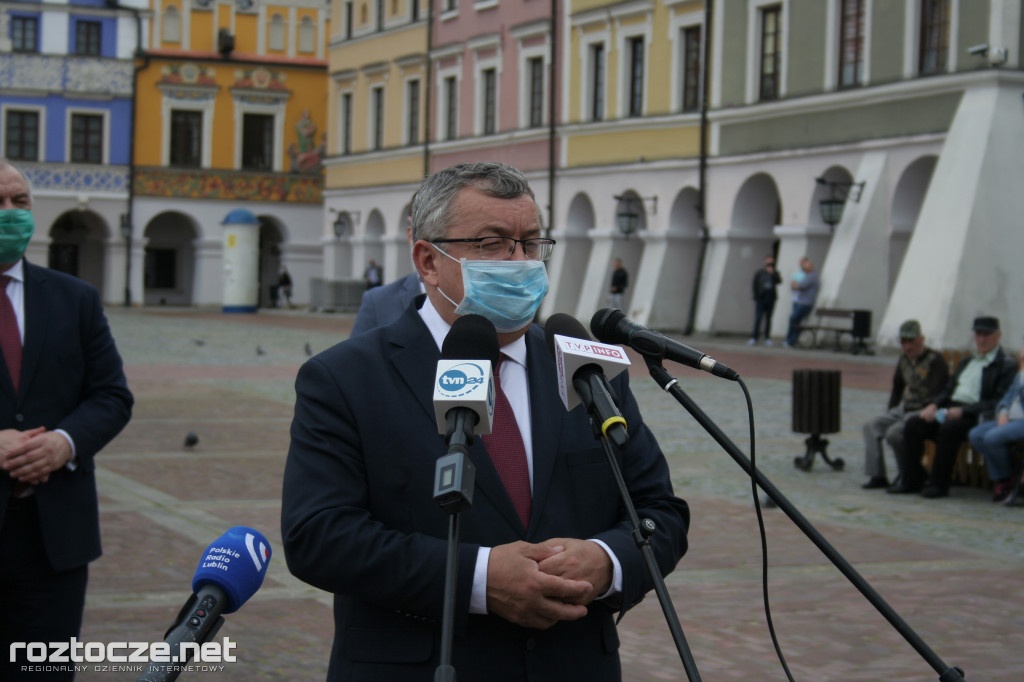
{"points": [[816, 410]]}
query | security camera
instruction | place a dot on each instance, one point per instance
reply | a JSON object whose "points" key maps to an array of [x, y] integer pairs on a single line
{"points": [[978, 50]]}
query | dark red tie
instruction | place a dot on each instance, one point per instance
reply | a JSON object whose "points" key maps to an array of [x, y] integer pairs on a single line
{"points": [[10, 337], [505, 446]]}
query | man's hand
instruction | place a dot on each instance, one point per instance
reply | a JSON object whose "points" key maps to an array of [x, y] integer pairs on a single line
{"points": [[520, 592], [12, 438], [1003, 419], [928, 413], [954, 413], [41, 453], [581, 560]]}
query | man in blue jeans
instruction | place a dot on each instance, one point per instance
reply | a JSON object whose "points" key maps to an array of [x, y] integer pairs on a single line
{"points": [[805, 286]]}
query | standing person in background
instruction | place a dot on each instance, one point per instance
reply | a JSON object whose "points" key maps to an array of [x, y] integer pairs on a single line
{"points": [[383, 305], [284, 286], [921, 373], [63, 397], [805, 286], [620, 280], [994, 438], [373, 275], [766, 281]]}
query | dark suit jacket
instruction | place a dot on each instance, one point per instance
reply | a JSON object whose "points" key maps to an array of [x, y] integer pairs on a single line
{"points": [[358, 517], [71, 379], [383, 305], [995, 382]]}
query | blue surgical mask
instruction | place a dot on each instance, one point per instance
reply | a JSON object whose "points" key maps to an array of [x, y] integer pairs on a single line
{"points": [[506, 292], [16, 228]]}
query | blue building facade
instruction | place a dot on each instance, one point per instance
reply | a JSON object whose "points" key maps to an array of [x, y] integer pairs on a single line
{"points": [[66, 119]]}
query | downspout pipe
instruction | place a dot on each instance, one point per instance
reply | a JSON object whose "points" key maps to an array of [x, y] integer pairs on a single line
{"points": [[703, 167]]}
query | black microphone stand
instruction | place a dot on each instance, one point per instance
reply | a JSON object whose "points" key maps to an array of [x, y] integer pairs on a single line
{"points": [[642, 531], [668, 383], [454, 477]]}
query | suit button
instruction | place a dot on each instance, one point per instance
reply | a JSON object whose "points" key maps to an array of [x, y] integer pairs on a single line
{"points": [[19, 417], [531, 644]]}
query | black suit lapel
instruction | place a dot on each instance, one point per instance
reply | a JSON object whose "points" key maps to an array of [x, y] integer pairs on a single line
{"points": [[547, 415]]}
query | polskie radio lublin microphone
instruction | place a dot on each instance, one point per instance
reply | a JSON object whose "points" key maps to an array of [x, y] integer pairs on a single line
{"points": [[612, 326], [463, 404], [230, 571], [583, 370]]}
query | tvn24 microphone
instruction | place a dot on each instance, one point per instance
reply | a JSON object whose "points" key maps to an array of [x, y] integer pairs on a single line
{"points": [[463, 404], [229, 572], [585, 365], [612, 326]]}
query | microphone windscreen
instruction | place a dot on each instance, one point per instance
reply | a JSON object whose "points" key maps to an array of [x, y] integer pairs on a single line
{"points": [[565, 325], [604, 324], [472, 337], [236, 562]]}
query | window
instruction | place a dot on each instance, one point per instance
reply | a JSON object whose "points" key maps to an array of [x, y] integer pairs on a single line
{"points": [[380, 15], [171, 25], [348, 19], [851, 43], [536, 68], [451, 108], [771, 42], [597, 81], [691, 68], [415, 9], [490, 114], [412, 110], [257, 142], [451, 5], [186, 138], [346, 123], [377, 117], [934, 36], [275, 33], [635, 104], [21, 133], [87, 38], [307, 35], [86, 138], [25, 34], [161, 268]]}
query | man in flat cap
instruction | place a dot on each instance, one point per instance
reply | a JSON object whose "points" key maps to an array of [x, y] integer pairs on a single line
{"points": [[920, 375], [972, 393]]}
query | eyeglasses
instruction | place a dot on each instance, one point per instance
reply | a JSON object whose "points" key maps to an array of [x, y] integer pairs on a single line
{"points": [[500, 248]]}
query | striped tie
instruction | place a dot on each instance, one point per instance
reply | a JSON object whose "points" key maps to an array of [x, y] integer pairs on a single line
{"points": [[10, 337], [505, 446]]}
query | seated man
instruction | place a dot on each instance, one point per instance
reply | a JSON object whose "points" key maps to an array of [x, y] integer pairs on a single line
{"points": [[920, 375], [993, 439], [980, 380]]}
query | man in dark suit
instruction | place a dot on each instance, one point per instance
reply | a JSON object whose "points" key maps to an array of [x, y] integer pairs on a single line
{"points": [[970, 394], [541, 572], [63, 396]]}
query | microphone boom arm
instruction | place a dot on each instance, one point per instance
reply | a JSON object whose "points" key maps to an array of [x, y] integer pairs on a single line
{"points": [[667, 382]]}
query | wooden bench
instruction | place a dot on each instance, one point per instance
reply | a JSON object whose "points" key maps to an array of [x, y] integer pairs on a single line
{"points": [[840, 322]]}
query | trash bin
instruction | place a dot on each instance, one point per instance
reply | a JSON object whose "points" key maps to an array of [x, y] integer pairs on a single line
{"points": [[816, 410]]}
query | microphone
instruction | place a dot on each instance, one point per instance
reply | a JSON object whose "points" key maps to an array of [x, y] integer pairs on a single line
{"points": [[229, 572], [463, 404], [584, 363], [612, 326]]}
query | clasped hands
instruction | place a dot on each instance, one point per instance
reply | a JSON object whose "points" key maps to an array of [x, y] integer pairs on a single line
{"points": [[30, 456], [537, 585]]}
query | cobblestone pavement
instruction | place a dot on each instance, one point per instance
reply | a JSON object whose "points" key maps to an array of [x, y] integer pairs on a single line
{"points": [[952, 568]]}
